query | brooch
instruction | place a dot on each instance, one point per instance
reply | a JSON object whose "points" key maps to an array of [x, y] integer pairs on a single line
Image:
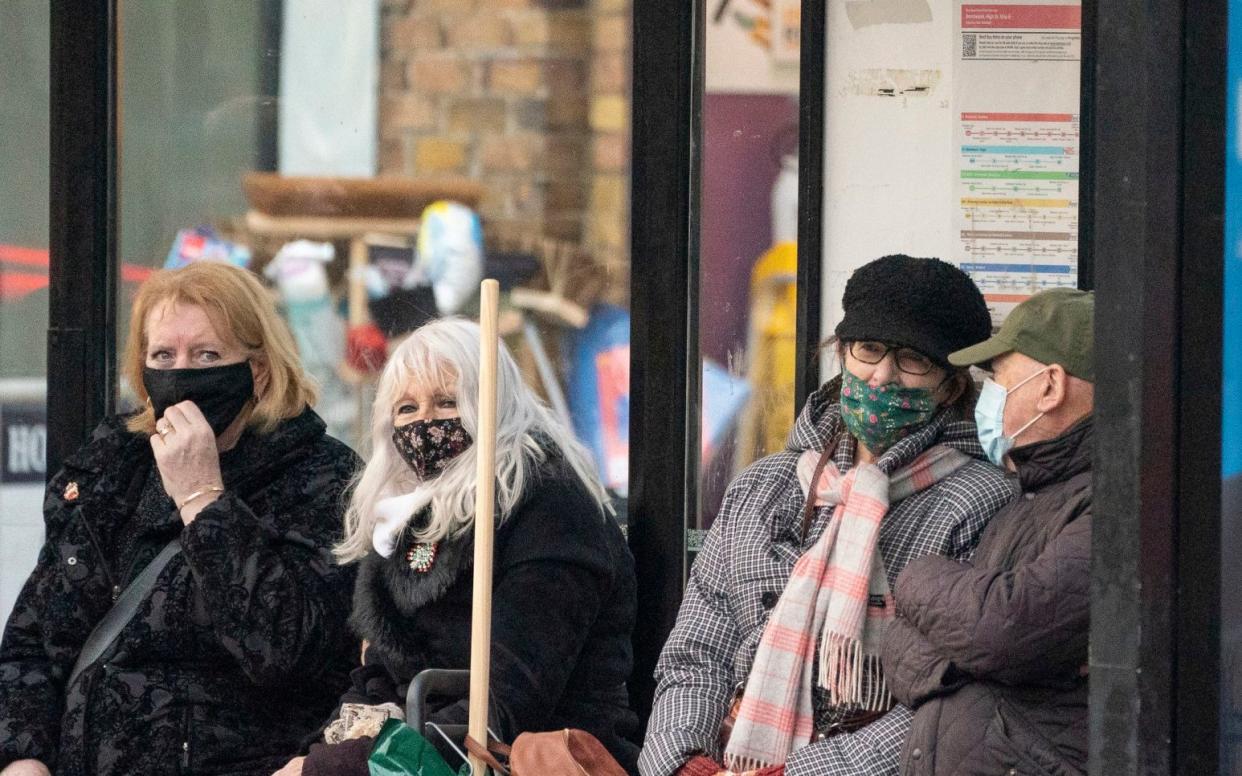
{"points": [[71, 492], [421, 557]]}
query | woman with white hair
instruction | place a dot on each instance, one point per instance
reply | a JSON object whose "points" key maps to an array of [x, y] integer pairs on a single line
{"points": [[564, 588]]}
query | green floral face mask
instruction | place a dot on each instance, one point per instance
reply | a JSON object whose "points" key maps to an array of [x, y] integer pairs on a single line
{"points": [[881, 417]]}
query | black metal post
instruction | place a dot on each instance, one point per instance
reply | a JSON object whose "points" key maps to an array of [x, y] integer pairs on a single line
{"points": [[1086, 150], [664, 370], [810, 200], [1199, 384], [82, 223], [1158, 108], [271, 33]]}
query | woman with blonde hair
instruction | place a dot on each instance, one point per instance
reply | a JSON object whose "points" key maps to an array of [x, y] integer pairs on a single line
{"points": [[564, 588], [186, 615]]}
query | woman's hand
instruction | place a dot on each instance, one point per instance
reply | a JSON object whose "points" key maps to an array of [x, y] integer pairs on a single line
{"points": [[186, 454], [292, 768], [31, 768], [700, 765]]}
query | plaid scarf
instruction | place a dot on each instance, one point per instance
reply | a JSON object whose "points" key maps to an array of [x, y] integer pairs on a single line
{"points": [[828, 594]]}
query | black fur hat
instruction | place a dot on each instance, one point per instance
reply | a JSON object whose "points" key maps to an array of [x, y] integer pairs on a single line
{"points": [[925, 304]]}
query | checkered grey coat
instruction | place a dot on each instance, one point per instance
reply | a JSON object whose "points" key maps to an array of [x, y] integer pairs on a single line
{"points": [[747, 559]]}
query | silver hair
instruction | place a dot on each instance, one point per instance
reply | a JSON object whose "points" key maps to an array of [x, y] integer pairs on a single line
{"points": [[444, 355]]}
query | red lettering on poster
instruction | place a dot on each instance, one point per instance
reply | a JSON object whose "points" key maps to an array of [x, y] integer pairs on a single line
{"points": [[1021, 17]]}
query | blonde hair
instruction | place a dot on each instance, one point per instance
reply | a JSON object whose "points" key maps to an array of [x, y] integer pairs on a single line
{"points": [[444, 354], [243, 313]]}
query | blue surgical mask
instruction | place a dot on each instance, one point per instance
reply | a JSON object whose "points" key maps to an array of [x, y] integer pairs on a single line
{"points": [[990, 419]]}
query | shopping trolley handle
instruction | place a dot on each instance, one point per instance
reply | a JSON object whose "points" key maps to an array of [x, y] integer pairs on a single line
{"points": [[433, 681]]}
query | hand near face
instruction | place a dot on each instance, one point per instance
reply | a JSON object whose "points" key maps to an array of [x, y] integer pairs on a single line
{"points": [[189, 463], [27, 768], [292, 768]]}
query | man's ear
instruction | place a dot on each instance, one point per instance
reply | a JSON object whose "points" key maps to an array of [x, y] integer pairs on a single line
{"points": [[953, 387], [1055, 389]]}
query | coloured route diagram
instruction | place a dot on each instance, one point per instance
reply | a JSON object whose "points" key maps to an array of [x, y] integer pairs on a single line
{"points": [[1017, 149]]}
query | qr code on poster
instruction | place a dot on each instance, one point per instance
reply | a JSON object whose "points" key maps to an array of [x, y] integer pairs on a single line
{"points": [[970, 45]]}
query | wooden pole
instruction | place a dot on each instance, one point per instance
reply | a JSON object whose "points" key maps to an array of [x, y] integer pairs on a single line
{"points": [[357, 281], [358, 315], [484, 524]]}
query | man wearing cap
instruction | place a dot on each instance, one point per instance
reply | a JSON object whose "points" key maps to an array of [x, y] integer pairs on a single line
{"points": [[992, 653]]}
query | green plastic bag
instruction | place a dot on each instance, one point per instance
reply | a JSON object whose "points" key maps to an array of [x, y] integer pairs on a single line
{"points": [[400, 750]]}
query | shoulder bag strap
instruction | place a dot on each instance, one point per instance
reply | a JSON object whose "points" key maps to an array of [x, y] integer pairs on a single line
{"points": [[109, 628], [489, 754], [808, 506]]}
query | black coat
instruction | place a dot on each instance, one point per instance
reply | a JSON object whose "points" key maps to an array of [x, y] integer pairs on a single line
{"points": [[232, 658], [990, 653], [563, 615]]}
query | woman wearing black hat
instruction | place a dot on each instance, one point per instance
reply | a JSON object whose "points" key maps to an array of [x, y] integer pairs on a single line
{"points": [[773, 666]]}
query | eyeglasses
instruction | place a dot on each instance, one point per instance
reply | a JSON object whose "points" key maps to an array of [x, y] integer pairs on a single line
{"points": [[909, 360]]}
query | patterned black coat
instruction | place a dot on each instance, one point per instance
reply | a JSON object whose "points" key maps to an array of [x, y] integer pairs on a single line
{"points": [[235, 655]]}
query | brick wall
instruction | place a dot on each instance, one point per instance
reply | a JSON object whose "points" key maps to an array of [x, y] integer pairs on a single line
{"points": [[608, 222], [528, 96]]}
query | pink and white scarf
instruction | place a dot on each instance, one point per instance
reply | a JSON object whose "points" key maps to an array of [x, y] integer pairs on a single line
{"points": [[827, 595]]}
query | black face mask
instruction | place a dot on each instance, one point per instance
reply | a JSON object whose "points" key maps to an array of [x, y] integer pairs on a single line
{"points": [[219, 392], [429, 446]]}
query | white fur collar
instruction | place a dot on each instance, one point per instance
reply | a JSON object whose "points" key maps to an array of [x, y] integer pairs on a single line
{"points": [[391, 516]]}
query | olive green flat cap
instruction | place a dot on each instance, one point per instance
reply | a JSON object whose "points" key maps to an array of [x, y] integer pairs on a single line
{"points": [[1052, 327]]}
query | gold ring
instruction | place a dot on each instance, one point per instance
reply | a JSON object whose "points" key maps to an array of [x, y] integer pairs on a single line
{"points": [[163, 429]]}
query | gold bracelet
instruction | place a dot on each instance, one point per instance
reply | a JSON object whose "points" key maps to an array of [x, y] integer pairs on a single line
{"points": [[197, 493]]}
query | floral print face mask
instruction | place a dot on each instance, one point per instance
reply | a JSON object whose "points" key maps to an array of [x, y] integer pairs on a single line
{"points": [[430, 445], [881, 417]]}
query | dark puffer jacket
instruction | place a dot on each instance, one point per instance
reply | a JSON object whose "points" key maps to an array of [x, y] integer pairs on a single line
{"points": [[991, 653], [563, 615], [234, 656]]}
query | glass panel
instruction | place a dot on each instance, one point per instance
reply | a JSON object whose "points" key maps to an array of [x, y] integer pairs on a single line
{"points": [[1231, 416], [249, 126], [748, 261], [24, 31], [190, 109]]}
